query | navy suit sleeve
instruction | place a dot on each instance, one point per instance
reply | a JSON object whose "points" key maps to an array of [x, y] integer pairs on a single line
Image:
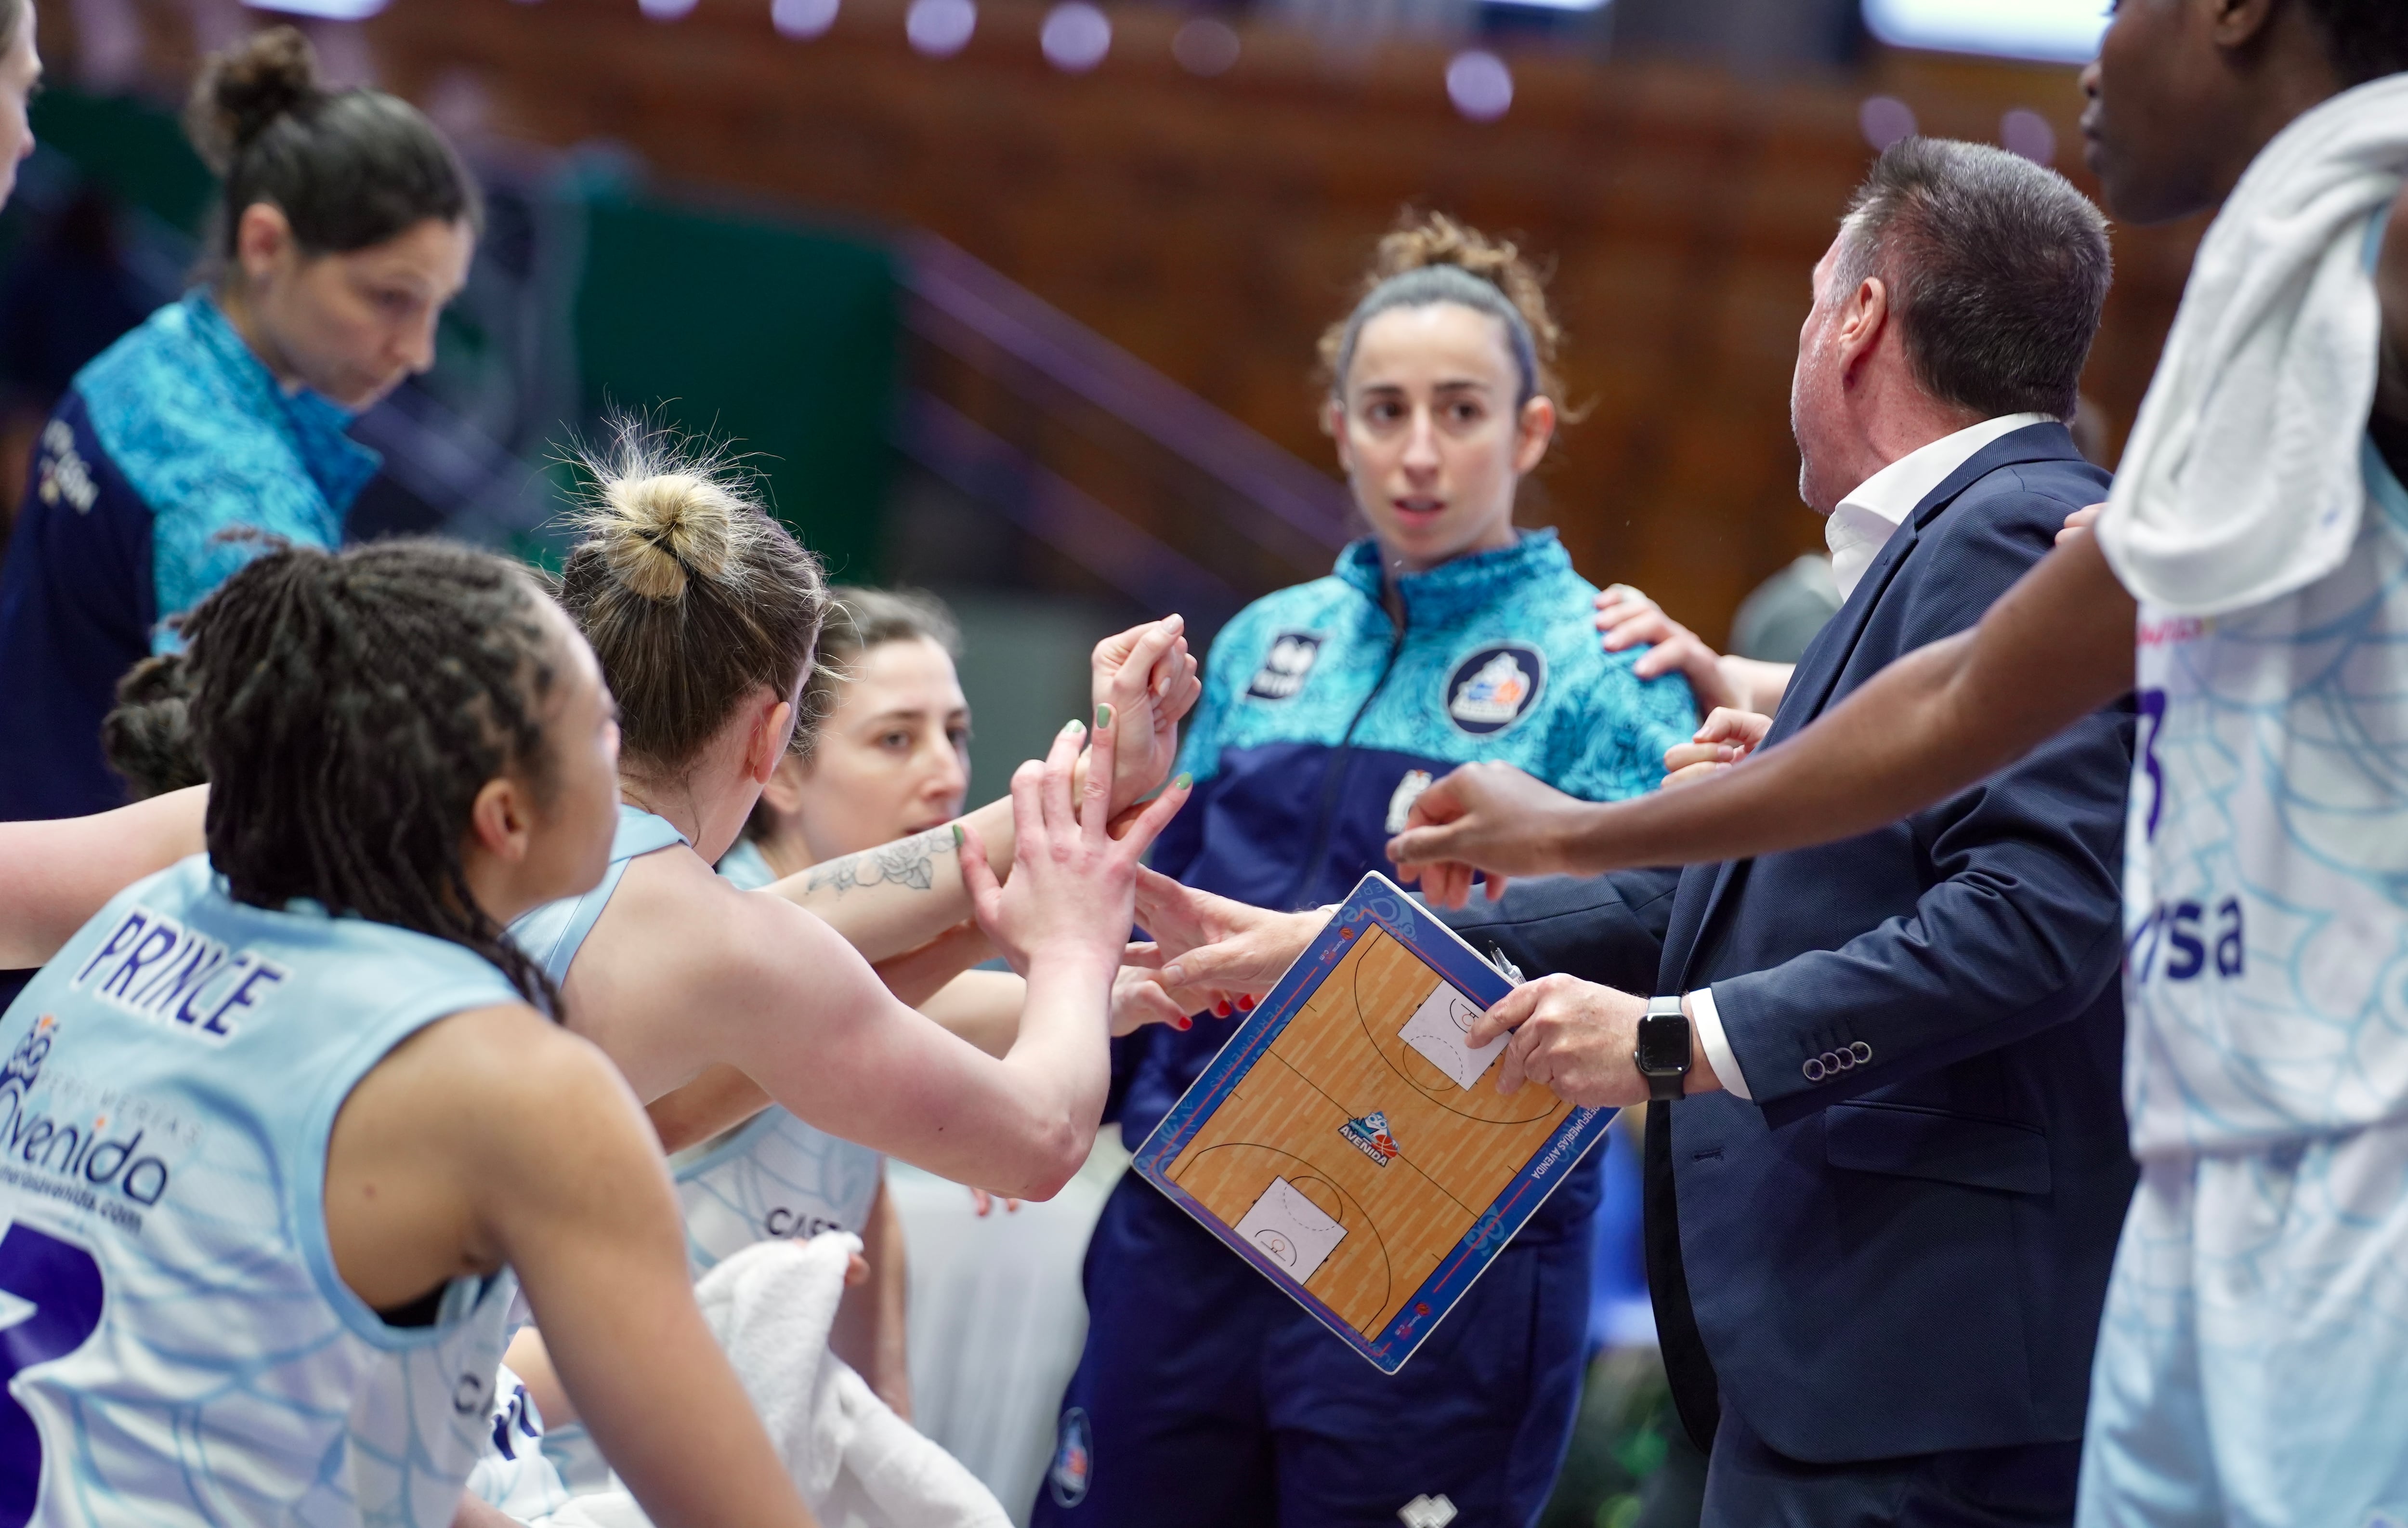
{"points": [[2019, 926], [1608, 929]]}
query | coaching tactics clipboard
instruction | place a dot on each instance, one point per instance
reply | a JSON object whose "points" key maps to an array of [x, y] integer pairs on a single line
{"points": [[1348, 1143]]}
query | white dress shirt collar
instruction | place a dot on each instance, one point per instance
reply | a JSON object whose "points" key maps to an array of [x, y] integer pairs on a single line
{"points": [[1865, 520]]}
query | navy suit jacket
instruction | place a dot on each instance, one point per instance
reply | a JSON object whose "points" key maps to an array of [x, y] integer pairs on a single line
{"points": [[1900, 1246]]}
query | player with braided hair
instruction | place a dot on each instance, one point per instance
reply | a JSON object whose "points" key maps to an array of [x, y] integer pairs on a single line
{"points": [[345, 793], [290, 1112]]}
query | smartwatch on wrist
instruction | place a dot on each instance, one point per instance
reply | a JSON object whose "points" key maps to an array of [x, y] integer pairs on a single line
{"points": [[1663, 1054]]}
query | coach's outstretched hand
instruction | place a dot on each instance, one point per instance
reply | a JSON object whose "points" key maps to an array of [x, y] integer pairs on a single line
{"points": [[1483, 817]]}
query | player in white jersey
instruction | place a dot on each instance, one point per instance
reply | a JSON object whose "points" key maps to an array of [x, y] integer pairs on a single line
{"points": [[702, 611], [2257, 1328], [281, 1120], [775, 1174]]}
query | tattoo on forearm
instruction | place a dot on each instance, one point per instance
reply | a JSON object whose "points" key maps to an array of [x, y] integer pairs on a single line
{"points": [[906, 862]]}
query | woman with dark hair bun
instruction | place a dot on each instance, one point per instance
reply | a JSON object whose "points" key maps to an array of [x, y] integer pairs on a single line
{"points": [[346, 224]]}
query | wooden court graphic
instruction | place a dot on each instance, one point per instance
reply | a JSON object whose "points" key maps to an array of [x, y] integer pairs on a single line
{"points": [[1347, 1155]]}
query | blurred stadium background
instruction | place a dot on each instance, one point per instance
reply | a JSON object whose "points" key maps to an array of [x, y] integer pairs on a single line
{"points": [[1017, 302], [1017, 299]]}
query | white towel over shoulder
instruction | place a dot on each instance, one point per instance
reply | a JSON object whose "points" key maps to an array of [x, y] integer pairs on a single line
{"points": [[2244, 479], [858, 1465]]}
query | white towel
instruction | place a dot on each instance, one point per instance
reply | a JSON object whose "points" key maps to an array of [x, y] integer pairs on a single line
{"points": [[857, 1463], [2243, 480]]}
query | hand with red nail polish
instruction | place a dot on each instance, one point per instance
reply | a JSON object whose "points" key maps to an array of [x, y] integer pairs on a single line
{"points": [[1139, 997]]}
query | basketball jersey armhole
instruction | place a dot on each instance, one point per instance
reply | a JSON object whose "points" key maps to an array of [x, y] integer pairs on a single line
{"points": [[305, 1198]]}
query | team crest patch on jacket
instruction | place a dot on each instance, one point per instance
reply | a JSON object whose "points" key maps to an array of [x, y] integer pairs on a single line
{"points": [[1401, 802], [1494, 686], [1074, 1459], [1287, 666]]}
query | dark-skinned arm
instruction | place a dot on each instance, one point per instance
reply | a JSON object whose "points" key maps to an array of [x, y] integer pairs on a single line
{"points": [[2056, 647]]}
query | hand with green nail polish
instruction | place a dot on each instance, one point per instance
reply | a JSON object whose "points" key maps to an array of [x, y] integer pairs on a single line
{"points": [[1145, 682]]}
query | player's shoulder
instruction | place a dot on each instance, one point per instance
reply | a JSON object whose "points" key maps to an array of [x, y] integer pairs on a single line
{"points": [[699, 920], [1558, 618], [471, 1073]]}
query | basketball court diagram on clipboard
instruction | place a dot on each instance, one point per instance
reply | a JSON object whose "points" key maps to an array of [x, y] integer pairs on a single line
{"points": [[1347, 1141]]}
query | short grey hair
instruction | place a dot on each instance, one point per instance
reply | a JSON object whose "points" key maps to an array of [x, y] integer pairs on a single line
{"points": [[1996, 268]]}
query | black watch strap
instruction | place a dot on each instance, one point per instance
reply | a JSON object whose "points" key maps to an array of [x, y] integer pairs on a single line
{"points": [[1664, 1053]]}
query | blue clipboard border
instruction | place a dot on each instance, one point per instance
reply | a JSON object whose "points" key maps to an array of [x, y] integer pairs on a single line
{"points": [[1376, 902]]}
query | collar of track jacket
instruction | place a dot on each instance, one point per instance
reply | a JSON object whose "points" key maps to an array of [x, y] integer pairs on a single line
{"points": [[1858, 529], [338, 465], [1453, 590]]}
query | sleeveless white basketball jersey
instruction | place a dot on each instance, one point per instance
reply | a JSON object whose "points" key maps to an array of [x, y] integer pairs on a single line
{"points": [[179, 1349], [772, 1176], [2266, 857]]}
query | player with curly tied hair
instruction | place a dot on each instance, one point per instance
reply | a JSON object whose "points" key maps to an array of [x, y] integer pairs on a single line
{"points": [[1206, 1395]]}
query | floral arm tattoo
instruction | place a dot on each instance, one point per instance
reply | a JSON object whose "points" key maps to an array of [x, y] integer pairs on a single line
{"points": [[906, 862]]}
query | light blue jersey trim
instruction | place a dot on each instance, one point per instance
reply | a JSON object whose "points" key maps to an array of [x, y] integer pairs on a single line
{"points": [[553, 933]]}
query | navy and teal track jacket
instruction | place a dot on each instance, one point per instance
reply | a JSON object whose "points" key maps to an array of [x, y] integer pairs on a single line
{"points": [[1321, 721], [172, 435]]}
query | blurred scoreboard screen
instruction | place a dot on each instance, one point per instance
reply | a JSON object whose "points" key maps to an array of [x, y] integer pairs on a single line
{"points": [[2062, 30]]}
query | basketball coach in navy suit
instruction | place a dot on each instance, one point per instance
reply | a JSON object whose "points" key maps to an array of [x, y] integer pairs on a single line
{"points": [[1886, 1151], [1886, 1161]]}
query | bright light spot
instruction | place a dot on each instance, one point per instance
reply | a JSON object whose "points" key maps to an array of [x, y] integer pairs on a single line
{"points": [[1884, 119], [802, 18], [1480, 85], [1205, 47], [330, 10], [1076, 37], [2066, 30], [1557, 5], [2027, 133], [941, 28], [665, 11]]}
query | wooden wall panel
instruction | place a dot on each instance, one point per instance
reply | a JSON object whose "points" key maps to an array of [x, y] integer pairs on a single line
{"points": [[1215, 226]]}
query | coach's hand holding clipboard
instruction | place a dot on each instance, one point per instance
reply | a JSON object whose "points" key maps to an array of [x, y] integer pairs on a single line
{"points": [[1349, 1140], [1573, 1037], [1576, 1039]]}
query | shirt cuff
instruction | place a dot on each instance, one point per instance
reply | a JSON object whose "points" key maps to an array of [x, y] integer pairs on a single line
{"points": [[1707, 1021]]}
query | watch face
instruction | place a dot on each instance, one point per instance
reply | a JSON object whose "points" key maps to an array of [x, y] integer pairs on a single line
{"points": [[1663, 1042]]}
